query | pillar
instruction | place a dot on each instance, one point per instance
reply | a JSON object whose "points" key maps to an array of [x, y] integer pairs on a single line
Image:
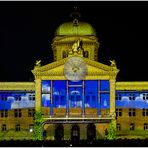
{"points": [[38, 94], [112, 96]]}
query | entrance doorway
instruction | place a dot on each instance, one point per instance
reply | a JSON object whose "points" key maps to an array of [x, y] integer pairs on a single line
{"points": [[59, 132], [91, 132], [75, 133]]}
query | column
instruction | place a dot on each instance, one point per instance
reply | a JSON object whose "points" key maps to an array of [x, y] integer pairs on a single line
{"points": [[99, 99], [67, 102], [51, 101], [38, 94], [83, 101], [112, 96]]}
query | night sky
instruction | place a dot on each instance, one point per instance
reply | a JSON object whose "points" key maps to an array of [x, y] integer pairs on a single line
{"points": [[27, 30]]}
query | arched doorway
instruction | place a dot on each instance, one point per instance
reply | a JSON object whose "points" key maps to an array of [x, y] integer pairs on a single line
{"points": [[59, 132], [75, 133], [91, 132]]}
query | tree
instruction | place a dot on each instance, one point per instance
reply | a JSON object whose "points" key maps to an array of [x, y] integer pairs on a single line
{"points": [[112, 130], [38, 120]]}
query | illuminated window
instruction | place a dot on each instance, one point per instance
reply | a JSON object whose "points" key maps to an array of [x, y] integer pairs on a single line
{"points": [[32, 97], [31, 126], [4, 98], [131, 96], [18, 98], [17, 128], [145, 112], [118, 97], [31, 112], [145, 96], [4, 113], [17, 113], [145, 126], [118, 127], [132, 112], [4, 128], [132, 126], [118, 112]]}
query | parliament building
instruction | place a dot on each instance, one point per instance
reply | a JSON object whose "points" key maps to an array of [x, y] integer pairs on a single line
{"points": [[78, 96]]}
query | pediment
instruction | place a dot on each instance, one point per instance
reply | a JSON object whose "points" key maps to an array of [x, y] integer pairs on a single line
{"points": [[57, 68]]}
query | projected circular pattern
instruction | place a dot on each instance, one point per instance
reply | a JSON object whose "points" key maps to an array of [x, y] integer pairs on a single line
{"points": [[75, 69]]}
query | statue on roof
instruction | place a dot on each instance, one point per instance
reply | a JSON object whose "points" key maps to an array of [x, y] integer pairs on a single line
{"points": [[113, 63], [38, 63]]}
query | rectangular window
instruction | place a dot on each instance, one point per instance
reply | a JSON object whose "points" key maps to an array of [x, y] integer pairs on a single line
{"points": [[145, 112], [118, 127], [17, 98], [17, 128], [31, 112], [131, 96], [32, 97], [132, 112], [145, 96], [17, 113], [4, 113], [4, 98], [91, 93], [145, 126], [59, 94], [118, 97], [118, 112], [3, 128], [104, 85]]}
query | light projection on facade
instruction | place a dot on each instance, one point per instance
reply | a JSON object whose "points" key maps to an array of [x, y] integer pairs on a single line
{"points": [[131, 99], [79, 94], [16, 100]]}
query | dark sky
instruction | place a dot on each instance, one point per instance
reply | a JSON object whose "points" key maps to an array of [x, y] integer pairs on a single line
{"points": [[27, 30]]}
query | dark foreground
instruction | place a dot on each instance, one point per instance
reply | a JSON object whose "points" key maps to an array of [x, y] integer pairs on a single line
{"points": [[83, 143]]}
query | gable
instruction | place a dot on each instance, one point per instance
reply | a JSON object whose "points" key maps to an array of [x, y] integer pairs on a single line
{"points": [[57, 68]]}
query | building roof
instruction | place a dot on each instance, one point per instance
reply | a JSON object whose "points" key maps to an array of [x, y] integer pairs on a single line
{"points": [[81, 28]]}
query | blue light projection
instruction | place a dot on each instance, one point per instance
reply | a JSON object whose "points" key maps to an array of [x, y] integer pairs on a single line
{"points": [[76, 95], [59, 94], [105, 100], [46, 93], [91, 94], [16, 100], [131, 100]]}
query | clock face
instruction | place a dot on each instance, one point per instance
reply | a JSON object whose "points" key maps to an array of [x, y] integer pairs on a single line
{"points": [[75, 69]]}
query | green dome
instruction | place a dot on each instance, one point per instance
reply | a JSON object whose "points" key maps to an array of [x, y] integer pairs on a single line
{"points": [[69, 28]]}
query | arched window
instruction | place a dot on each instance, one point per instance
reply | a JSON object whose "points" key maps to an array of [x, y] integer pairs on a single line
{"points": [[132, 126], [64, 54], [91, 132], [4, 128], [59, 132], [75, 133], [86, 54]]}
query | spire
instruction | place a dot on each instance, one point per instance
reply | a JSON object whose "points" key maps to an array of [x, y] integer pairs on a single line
{"points": [[75, 15]]}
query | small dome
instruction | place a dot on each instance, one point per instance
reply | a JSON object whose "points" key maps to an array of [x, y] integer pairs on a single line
{"points": [[82, 28]]}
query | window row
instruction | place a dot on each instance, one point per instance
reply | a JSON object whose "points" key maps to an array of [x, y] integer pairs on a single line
{"points": [[17, 98], [132, 127], [132, 112], [17, 113], [131, 96], [17, 127]]}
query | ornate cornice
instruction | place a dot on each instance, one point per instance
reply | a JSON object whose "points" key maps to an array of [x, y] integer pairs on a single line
{"points": [[131, 85], [17, 86]]}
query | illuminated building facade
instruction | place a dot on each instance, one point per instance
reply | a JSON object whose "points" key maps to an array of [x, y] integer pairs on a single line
{"points": [[78, 95]]}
